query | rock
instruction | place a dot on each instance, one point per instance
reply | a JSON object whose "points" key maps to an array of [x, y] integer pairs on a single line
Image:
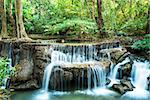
{"points": [[127, 84], [118, 88], [29, 85], [123, 87], [68, 76], [123, 57], [56, 78], [114, 53], [148, 83], [126, 70], [105, 63], [40, 60], [24, 71], [140, 53], [107, 81]]}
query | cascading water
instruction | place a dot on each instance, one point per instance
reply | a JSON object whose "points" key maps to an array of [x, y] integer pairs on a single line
{"points": [[76, 54], [98, 77], [139, 77], [140, 73], [114, 72]]}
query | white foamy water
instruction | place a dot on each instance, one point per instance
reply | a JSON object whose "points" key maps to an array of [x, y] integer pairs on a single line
{"points": [[140, 73]]}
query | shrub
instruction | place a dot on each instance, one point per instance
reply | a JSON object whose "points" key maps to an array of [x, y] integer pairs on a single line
{"points": [[5, 70], [142, 44]]}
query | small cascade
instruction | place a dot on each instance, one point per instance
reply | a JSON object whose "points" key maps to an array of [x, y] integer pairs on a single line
{"points": [[139, 77], [74, 53], [81, 55], [115, 70], [140, 73], [46, 77], [97, 75]]}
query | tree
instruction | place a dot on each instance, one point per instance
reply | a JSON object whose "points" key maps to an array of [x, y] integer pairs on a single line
{"points": [[99, 9], [11, 17], [3, 18], [21, 33], [148, 22], [93, 9]]}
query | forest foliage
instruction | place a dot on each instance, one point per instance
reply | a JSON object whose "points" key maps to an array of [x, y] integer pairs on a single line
{"points": [[76, 16], [80, 16]]}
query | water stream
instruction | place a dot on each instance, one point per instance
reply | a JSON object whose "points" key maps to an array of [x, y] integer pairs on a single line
{"points": [[139, 77], [64, 55]]}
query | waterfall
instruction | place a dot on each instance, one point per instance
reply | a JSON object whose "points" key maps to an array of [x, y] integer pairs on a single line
{"points": [[139, 77], [76, 54], [140, 73], [97, 75], [115, 70], [46, 77]]}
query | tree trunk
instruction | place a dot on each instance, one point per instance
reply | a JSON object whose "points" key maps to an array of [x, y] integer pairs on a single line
{"points": [[148, 22], [88, 8], [3, 18], [21, 33], [100, 19], [93, 9], [11, 18]]}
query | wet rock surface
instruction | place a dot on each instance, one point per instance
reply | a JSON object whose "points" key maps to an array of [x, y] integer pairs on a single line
{"points": [[115, 54], [123, 86], [124, 71], [148, 83], [108, 81], [27, 85], [24, 71]]}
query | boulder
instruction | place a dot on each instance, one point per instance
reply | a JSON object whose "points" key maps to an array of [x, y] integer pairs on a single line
{"points": [[105, 63], [118, 88], [123, 86], [127, 84], [126, 70], [28, 85], [107, 81], [24, 71], [115, 53]]}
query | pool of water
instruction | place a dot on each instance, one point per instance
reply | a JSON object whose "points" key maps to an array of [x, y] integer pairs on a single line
{"points": [[97, 94], [55, 95]]}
